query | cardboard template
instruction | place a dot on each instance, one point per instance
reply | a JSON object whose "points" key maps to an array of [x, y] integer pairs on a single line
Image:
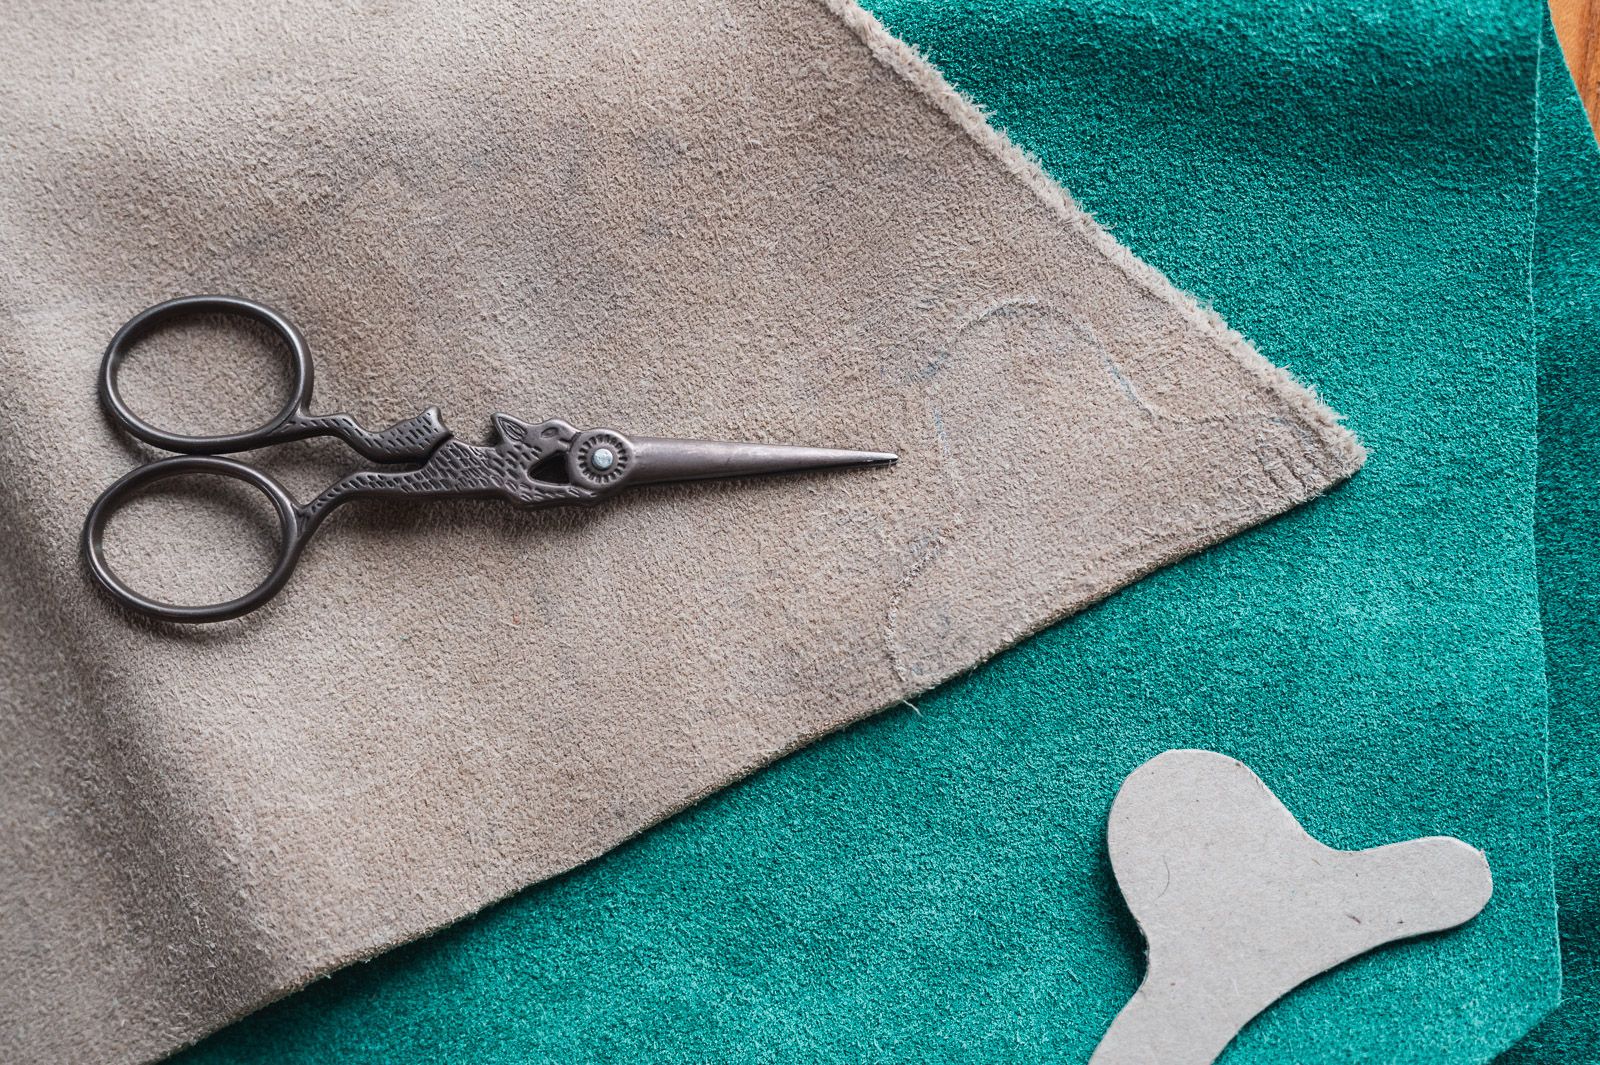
{"points": [[1239, 905]]}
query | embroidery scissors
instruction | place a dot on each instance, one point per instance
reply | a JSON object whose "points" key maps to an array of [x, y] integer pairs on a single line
{"points": [[527, 464]]}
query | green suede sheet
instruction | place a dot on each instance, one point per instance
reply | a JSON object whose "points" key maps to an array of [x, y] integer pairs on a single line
{"points": [[1567, 527], [1351, 184]]}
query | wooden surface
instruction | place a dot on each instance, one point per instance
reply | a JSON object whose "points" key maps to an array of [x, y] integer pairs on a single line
{"points": [[1578, 25]]}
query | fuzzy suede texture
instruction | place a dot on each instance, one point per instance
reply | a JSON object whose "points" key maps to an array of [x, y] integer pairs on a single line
{"points": [[749, 220], [1567, 298], [1352, 183]]}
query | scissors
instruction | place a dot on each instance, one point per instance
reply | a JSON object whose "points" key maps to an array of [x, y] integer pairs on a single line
{"points": [[527, 464]]}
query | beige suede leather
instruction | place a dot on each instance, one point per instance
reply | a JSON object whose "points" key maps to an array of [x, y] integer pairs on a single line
{"points": [[750, 219]]}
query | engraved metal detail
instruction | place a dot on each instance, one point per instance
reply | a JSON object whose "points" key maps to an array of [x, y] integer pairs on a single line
{"points": [[409, 441], [586, 471], [500, 469]]}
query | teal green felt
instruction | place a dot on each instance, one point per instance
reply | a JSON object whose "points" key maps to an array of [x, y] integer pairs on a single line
{"points": [[1351, 184], [1567, 301]]}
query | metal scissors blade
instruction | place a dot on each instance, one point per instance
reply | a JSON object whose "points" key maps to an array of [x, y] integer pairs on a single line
{"points": [[663, 459]]}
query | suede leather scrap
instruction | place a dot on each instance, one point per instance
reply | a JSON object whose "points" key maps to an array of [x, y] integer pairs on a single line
{"points": [[1566, 276], [750, 220], [1352, 184]]}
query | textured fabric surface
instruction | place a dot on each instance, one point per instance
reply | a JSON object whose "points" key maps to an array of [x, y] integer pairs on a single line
{"points": [[1351, 181], [758, 220], [1567, 300]]}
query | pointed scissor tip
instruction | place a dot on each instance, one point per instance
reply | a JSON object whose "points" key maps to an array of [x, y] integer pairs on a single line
{"points": [[687, 460]]}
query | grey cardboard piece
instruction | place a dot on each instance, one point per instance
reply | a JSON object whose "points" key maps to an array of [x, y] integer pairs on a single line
{"points": [[1239, 904], [762, 220]]}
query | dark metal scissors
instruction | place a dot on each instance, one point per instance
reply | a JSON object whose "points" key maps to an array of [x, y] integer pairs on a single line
{"points": [[529, 464]]}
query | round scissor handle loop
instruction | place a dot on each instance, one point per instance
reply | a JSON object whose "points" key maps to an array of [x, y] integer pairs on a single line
{"points": [[136, 480], [152, 318]]}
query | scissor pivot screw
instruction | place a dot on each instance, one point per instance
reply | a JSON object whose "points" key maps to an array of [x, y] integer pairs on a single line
{"points": [[600, 459]]}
